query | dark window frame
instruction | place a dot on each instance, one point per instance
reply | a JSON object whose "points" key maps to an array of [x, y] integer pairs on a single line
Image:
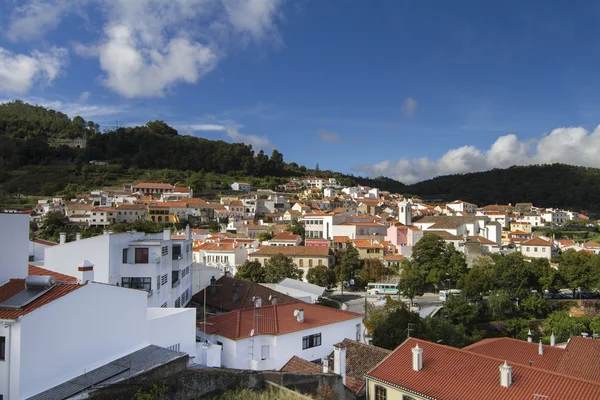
{"points": [[311, 341]]}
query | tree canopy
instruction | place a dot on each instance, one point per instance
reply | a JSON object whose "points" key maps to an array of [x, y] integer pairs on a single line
{"points": [[279, 267]]}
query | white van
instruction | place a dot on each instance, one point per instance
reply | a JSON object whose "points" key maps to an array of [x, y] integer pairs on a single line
{"points": [[444, 294]]}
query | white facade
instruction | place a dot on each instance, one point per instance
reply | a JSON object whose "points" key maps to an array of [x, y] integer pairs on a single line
{"points": [[405, 213], [536, 250], [155, 263], [267, 352], [240, 186], [82, 330], [14, 231]]}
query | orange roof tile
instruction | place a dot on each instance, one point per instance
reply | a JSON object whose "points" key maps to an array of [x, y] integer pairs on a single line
{"points": [[33, 270], [457, 374], [45, 242], [367, 244], [152, 185], [291, 251], [274, 320], [536, 241], [14, 286], [302, 366], [341, 239]]}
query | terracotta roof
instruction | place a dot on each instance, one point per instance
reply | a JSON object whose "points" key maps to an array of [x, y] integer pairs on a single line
{"points": [[181, 189], [518, 351], [448, 221], [366, 244], [222, 298], [78, 206], [591, 245], [45, 242], [236, 203], [444, 235], [567, 242], [457, 374], [581, 359], [152, 185], [520, 233], [360, 359], [482, 240], [33, 270], [302, 366], [286, 236], [229, 247], [536, 242], [274, 320], [14, 286], [104, 209], [291, 251], [394, 257], [130, 207]]}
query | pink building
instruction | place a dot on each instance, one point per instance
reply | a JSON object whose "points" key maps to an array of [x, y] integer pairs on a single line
{"points": [[403, 238]]}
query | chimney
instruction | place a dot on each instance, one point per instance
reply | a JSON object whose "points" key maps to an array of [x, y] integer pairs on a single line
{"points": [[188, 232], [505, 375], [236, 292], [541, 348], [529, 337], [552, 340], [213, 285], [63, 237], [85, 271], [325, 365], [257, 301], [299, 314], [78, 236], [417, 358], [273, 300], [339, 360], [166, 234]]}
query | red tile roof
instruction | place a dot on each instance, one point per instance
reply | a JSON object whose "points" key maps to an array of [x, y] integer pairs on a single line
{"points": [[33, 270], [14, 286], [581, 359], [457, 374], [291, 251], [44, 242], [274, 320], [366, 244], [518, 351], [153, 185], [536, 242], [591, 245], [286, 236], [301, 366], [482, 240]]}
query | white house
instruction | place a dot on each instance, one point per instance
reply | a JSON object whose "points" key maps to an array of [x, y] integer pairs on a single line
{"points": [[240, 186], [533, 218], [462, 206], [225, 256], [155, 263], [537, 248], [265, 338], [319, 225], [131, 212]]}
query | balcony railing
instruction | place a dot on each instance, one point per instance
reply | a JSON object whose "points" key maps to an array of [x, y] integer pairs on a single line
{"points": [[176, 283]]}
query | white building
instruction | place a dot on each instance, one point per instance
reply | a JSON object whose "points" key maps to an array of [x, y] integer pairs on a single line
{"points": [[53, 332], [225, 256], [240, 186], [155, 263], [462, 206], [265, 338], [319, 225], [286, 239], [300, 290], [537, 248], [131, 212]]}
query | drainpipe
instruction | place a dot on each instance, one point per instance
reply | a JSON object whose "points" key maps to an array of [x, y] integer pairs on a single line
{"points": [[8, 324]]}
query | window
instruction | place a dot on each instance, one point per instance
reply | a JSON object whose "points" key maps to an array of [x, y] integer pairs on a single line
{"points": [[528, 249], [380, 393], [311, 341], [2, 348], [137, 283], [164, 279], [543, 249], [178, 303], [535, 249], [320, 262], [301, 263], [165, 250], [124, 256], [141, 255], [310, 263]]}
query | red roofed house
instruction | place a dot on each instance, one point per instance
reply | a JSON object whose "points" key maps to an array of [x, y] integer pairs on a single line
{"points": [[286, 239], [264, 338], [536, 248], [418, 369], [304, 257], [592, 246], [152, 188]]}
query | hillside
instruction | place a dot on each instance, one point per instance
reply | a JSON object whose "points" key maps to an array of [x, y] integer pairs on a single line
{"points": [[555, 185], [34, 160]]}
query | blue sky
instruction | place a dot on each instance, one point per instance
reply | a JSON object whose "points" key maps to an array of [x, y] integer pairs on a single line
{"points": [[410, 90]]}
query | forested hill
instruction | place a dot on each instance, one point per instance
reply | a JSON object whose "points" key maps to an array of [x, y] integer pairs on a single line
{"points": [[555, 185]]}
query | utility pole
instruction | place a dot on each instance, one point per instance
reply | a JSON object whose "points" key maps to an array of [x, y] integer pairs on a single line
{"points": [[410, 328]]}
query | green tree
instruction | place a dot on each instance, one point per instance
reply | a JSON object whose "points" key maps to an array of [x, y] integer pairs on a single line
{"points": [[348, 266], [499, 303], [393, 328], [437, 261], [279, 267], [574, 270], [443, 331], [297, 228], [265, 236], [161, 128], [372, 271], [251, 271], [534, 306], [321, 276], [412, 282], [459, 311], [564, 325], [511, 274], [477, 282]]}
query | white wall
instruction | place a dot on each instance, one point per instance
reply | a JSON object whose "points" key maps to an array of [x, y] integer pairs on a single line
{"points": [[78, 332], [14, 245], [66, 257], [201, 275], [171, 326]]}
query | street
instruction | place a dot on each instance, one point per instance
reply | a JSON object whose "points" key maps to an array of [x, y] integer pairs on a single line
{"points": [[356, 300]]}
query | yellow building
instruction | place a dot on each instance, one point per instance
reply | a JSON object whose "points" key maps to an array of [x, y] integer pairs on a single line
{"points": [[520, 226]]}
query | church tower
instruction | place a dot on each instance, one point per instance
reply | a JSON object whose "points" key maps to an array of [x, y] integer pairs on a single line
{"points": [[405, 212]]}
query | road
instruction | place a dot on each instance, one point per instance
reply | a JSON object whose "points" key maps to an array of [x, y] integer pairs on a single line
{"points": [[356, 300]]}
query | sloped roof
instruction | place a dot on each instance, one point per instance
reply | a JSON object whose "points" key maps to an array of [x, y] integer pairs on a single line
{"points": [[360, 359], [33, 270], [291, 251], [153, 185], [518, 351], [222, 298], [14, 286], [286, 236], [581, 359], [367, 244], [591, 245], [536, 241], [44, 242], [274, 320], [457, 374], [300, 365], [482, 240]]}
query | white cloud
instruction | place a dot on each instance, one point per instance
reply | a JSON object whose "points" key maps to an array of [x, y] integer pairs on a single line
{"points": [[232, 131], [19, 72], [84, 96], [147, 47], [34, 18], [329, 137], [574, 145], [409, 107]]}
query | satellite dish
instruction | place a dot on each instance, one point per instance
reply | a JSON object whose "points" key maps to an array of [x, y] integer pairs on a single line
{"points": [[252, 332]]}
